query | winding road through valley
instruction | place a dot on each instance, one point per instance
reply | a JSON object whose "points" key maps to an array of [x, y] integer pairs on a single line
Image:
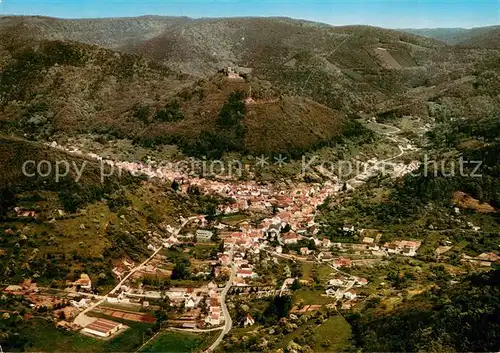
{"points": [[228, 322]]}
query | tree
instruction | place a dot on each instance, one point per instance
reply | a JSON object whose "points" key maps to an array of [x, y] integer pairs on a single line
{"points": [[203, 305], [165, 302], [141, 112], [233, 111], [161, 317], [7, 199], [181, 270], [171, 113], [278, 308], [175, 185], [286, 228], [211, 213]]}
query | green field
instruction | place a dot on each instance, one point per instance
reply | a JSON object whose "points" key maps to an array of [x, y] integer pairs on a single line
{"points": [[307, 268], [331, 336], [324, 272], [44, 337], [179, 342], [311, 297], [234, 219]]}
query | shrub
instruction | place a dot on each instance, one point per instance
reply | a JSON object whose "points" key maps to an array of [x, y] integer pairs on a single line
{"points": [[233, 111], [171, 113], [141, 112]]}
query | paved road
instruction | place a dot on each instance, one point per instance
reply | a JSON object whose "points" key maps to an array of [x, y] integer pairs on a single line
{"points": [[228, 322]]}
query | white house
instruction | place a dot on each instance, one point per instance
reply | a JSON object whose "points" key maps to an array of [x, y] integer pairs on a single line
{"points": [[273, 231], [336, 282], [249, 321], [190, 303], [81, 304], [291, 238], [361, 281], [350, 294], [326, 243], [172, 240], [330, 292], [348, 228], [84, 282], [213, 319], [245, 273]]}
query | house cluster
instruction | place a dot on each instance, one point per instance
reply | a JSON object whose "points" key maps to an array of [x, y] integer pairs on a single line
{"points": [[21, 212], [402, 247], [296, 204], [84, 283], [343, 288], [32, 293], [121, 270], [484, 259], [191, 299], [207, 296], [215, 317], [241, 244]]}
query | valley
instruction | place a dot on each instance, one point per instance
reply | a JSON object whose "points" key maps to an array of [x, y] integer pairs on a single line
{"points": [[247, 184]]}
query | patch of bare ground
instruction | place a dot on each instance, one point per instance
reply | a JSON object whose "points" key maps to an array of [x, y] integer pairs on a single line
{"points": [[463, 200]]}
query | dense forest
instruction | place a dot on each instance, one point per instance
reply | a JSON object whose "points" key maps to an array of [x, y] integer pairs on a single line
{"points": [[474, 142], [463, 317]]}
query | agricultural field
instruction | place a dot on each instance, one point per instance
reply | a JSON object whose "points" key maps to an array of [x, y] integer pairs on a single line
{"points": [[179, 342], [47, 338]]}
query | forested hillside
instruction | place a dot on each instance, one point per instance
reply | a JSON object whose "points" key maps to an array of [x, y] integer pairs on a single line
{"points": [[458, 318]]}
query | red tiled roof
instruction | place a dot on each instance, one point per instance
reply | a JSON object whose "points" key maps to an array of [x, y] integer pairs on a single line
{"points": [[245, 271], [102, 325], [291, 236]]}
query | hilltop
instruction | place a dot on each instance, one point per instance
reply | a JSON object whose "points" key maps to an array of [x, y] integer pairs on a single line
{"points": [[50, 87], [109, 32], [218, 114], [488, 38], [125, 77], [345, 68], [480, 37]]}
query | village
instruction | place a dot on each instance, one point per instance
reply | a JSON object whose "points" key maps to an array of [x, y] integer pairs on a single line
{"points": [[280, 226], [201, 264]]}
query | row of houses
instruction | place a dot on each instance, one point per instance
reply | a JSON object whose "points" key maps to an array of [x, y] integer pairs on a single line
{"points": [[484, 259], [402, 247]]}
